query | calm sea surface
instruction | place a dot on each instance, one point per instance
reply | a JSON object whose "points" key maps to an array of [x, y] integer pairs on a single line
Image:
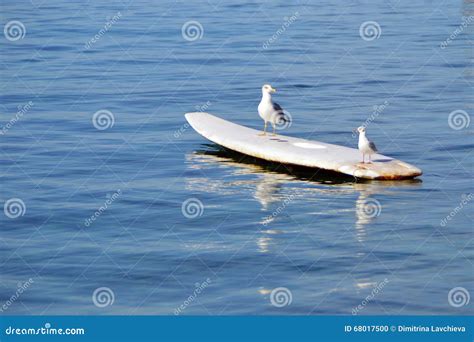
{"points": [[332, 244]]}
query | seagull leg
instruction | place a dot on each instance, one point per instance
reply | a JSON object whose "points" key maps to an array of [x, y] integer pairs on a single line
{"points": [[274, 129], [264, 129], [363, 158], [370, 162]]}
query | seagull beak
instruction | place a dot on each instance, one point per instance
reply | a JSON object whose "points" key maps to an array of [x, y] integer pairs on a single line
{"points": [[274, 90], [354, 130]]}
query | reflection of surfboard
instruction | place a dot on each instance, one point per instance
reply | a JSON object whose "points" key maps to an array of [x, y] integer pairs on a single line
{"points": [[295, 151]]}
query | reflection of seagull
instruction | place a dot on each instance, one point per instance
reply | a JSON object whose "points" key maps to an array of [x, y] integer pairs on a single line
{"points": [[362, 218], [362, 210], [267, 188], [365, 145], [270, 111]]}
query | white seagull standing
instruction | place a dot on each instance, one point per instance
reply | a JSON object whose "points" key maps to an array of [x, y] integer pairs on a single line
{"points": [[270, 111], [365, 145]]}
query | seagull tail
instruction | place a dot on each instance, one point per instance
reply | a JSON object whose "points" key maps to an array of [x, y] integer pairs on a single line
{"points": [[283, 117]]}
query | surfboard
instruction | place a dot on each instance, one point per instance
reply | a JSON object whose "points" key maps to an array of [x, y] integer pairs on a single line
{"points": [[296, 151]]}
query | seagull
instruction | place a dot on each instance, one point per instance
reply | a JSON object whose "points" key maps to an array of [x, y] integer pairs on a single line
{"points": [[365, 145], [270, 111]]}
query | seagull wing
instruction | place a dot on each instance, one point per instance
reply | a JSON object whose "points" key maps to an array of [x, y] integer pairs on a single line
{"points": [[372, 146], [280, 113], [277, 107]]}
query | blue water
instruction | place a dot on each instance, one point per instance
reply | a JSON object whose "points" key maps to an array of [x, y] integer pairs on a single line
{"points": [[320, 244]]}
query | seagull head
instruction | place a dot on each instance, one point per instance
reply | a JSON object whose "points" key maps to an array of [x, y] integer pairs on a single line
{"points": [[268, 89], [361, 129]]}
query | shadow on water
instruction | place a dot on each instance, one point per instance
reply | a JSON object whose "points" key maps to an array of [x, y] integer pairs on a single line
{"points": [[321, 176], [299, 172]]}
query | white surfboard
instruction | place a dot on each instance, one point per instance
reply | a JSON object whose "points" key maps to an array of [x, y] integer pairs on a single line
{"points": [[296, 151]]}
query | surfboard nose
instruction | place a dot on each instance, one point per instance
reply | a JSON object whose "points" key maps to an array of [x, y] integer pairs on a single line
{"points": [[199, 121], [192, 116]]}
